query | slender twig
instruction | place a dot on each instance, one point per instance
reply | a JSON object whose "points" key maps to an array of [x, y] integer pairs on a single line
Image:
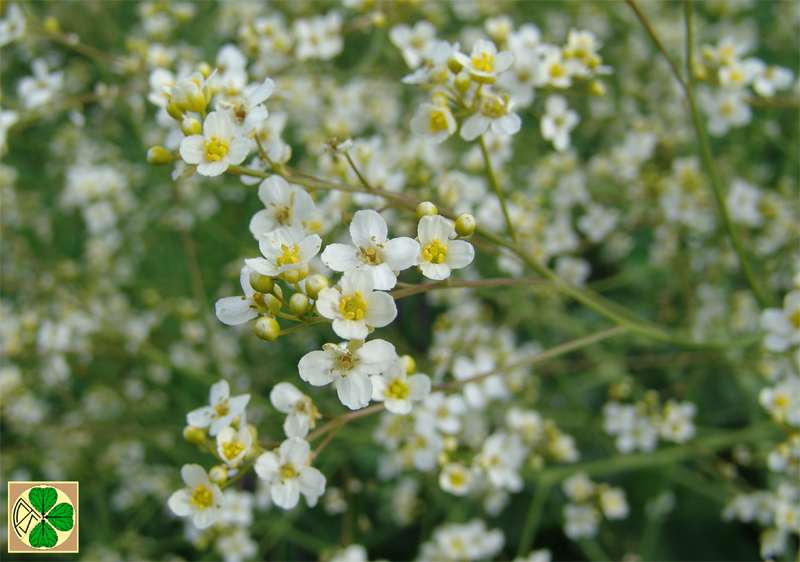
{"points": [[424, 287], [364, 182], [493, 180], [534, 516]]}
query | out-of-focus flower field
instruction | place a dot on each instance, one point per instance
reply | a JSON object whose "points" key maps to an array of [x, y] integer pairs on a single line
{"points": [[404, 280]]}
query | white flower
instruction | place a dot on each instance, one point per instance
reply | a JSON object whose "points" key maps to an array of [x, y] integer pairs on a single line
{"points": [[302, 414], [286, 253], [415, 44], [12, 27], [223, 410], [7, 120], [245, 111], [201, 499], [558, 121], [289, 475], [372, 251], [552, 69], [319, 37], [485, 63], [676, 424], [501, 458], [216, 148], [348, 368], [573, 270], [233, 446], [287, 205], [398, 390], [434, 122], [493, 110], [455, 478], [579, 487], [355, 308], [726, 109], [772, 78], [782, 325], [37, 90], [438, 254], [743, 202], [614, 504], [238, 310], [580, 521]]}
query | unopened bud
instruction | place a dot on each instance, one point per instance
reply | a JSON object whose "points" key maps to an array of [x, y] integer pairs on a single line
{"points": [[411, 365], [51, 24], [315, 284], [463, 82], [205, 69], [194, 435], [159, 156], [440, 99], [254, 432], [465, 224], [191, 126], [298, 304], [378, 19], [597, 88], [175, 110], [272, 303], [218, 474], [426, 208], [261, 283], [296, 274], [267, 328], [454, 65]]}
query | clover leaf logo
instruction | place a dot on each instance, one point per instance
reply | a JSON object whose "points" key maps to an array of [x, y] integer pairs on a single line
{"points": [[61, 517]]}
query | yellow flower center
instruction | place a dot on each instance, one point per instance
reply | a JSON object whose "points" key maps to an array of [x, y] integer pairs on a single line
{"points": [[288, 472], [215, 149], [221, 409], [457, 478], [484, 63], [284, 215], [370, 256], [558, 70], [794, 318], [493, 106], [435, 252], [438, 121], [289, 254], [353, 307], [232, 449], [398, 389], [202, 497]]}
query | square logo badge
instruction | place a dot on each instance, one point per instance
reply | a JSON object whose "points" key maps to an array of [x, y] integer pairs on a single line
{"points": [[43, 517]]}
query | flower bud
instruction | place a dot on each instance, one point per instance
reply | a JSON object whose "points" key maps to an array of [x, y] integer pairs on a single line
{"points": [[597, 88], [440, 99], [51, 24], [267, 328], [175, 110], [411, 365], [254, 432], [298, 304], [194, 435], [159, 156], [261, 283], [315, 284], [463, 82], [191, 126], [272, 303], [205, 69], [218, 474], [296, 274], [465, 224], [454, 66], [426, 208]]}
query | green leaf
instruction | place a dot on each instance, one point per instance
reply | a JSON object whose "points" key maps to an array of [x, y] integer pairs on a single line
{"points": [[43, 535], [43, 498], [61, 517]]}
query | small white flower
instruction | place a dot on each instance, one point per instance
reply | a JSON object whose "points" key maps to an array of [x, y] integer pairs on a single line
{"points": [[558, 121], [579, 488], [438, 254], [355, 308], [13, 26], [581, 521], [772, 78], [302, 414], [726, 109], [201, 498], [348, 369], [456, 479], [434, 122], [286, 253], [372, 251], [398, 390], [614, 504], [223, 410], [319, 37], [287, 205], [289, 474], [415, 44], [676, 424], [233, 311], [245, 111], [37, 90], [217, 148], [233, 446], [501, 458], [782, 325], [495, 111], [485, 63]]}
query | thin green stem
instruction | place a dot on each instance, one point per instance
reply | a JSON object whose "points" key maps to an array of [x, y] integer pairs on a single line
{"points": [[358, 173], [496, 187], [534, 516], [503, 281]]}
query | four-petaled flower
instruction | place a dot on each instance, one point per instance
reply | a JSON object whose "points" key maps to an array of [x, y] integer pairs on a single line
{"points": [[201, 498], [288, 474], [223, 409], [438, 254], [216, 148]]}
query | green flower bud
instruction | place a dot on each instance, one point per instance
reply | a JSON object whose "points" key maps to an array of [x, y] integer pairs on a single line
{"points": [[191, 126], [194, 435], [267, 328], [426, 208], [218, 474], [463, 82], [411, 365], [298, 304], [315, 284], [465, 224], [261, 283], [295, 275], [175, 110], [159, 156]]}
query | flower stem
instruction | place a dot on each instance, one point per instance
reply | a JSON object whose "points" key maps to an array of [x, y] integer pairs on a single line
{"points": [[534, 516], [496, 187]]}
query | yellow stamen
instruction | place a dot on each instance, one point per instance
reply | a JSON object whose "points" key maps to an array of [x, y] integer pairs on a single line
{"points": [[435, 251], [484, 64], [353, 307], [221, 409], [288, 472], [202, 497], [438, 121], [231, 449], [215, 149], [289, 255], [397, 389]]}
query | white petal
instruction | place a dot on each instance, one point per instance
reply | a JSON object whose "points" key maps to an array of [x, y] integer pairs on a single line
{"points": [[368, 228], [419, 386], [315, 368], [193, 150], [350, 329], [286, 494], [296, 425], [328, 303], [284, 396], [179, 503], [219, 392], [267, 466], [312, 482], [435, 271], [340, 257], [295, 451], [194, 475], [355, 390], [433, 227], [401, 253], [459, 254], [381, 310], [235, 310], [474, 127], [376, 356], [383, 277], [204, 518]]}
